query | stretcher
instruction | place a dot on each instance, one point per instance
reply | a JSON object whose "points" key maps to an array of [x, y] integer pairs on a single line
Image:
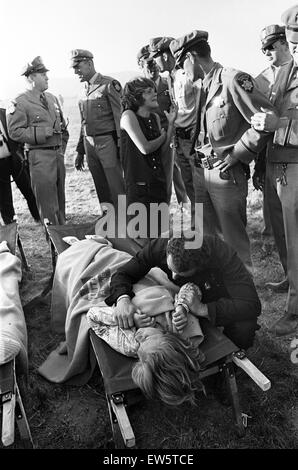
{"points": [[11, 406], [220, 352]]}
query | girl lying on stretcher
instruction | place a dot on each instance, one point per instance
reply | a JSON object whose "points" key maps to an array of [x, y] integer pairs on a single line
{"points": [[166, 344]]}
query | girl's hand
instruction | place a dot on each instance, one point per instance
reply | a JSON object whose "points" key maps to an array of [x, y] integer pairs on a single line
{"points": [[179, 318], [142, 320]]}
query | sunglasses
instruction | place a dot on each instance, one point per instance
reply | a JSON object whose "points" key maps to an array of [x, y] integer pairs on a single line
{"points": [[268, 48]]}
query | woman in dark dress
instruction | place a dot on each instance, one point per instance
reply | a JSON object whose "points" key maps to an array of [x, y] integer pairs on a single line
{"points": [[143, 143]]}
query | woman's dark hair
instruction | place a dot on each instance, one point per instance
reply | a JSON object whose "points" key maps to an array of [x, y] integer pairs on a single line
{"points": [[132, 93]]}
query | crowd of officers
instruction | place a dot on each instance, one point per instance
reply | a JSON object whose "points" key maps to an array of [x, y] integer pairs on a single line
{"points": [[226, 119]]}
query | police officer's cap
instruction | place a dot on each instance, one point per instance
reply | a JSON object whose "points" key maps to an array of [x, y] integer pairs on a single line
{"points": [[78, 55], [159, 45], [290, 19], [36, 66], [143, 53], [272, 33], [183, 44]]}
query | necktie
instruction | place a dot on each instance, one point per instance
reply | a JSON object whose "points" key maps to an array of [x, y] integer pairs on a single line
{"points": [[44, 100], [200, 116]]}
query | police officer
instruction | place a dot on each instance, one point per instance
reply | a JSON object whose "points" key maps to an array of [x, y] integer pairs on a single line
{"points": [[12, 163], [100, 115], [35, 119], [229, 100], [282, 164], [185, 94], [276, 50]]}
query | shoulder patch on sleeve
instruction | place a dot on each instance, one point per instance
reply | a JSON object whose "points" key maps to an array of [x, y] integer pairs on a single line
{"points": [[11, 107], [117, 86], [245, 81]]}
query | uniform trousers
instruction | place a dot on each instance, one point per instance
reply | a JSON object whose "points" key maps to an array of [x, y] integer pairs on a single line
{"points": [[186, 165], [267, 233], [14, 166], [288, 195], [105, 167], [273, 202], [47, 173], [224, 207], [179, 185], [173, 176]]}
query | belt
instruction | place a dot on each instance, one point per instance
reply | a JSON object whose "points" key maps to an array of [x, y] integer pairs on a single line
{"points": [[104, 133], [183, 132], [148, 185], [206, 161], [54, 147]]}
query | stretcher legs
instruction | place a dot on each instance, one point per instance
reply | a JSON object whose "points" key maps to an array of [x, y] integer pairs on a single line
{"points": [[12, 408], [123, 434]]}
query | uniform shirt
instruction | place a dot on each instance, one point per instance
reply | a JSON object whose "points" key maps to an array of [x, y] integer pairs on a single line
{"points": [[4, 150], [225, 283], [164, 100], [186, 95], [27, 119], [267, 78], [266, 81], [283, 145], [100, 106], [232, 100]]}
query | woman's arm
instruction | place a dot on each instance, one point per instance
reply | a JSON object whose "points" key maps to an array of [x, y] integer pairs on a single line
{"points": [[131, 125]]}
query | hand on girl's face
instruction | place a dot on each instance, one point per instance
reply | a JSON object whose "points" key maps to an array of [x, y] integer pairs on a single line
{"points": [[142, 320]]}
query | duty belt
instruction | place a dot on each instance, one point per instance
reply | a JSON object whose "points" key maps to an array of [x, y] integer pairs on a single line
{"points": [[103, 133], [206, 161], [184, 132], [53, 147]]}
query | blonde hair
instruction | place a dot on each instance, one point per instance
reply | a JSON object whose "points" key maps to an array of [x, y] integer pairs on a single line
{"points": [[166, 374]]}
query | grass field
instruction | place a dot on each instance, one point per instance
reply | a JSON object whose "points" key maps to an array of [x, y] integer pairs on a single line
{"points": [[68, 417]]}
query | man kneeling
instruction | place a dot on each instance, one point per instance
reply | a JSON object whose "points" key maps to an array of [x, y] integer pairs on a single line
{"points": [[229, 296]]}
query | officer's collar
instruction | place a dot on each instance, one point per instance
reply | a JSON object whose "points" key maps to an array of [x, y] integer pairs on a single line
{"points": [[93, 79], [208, 78]]}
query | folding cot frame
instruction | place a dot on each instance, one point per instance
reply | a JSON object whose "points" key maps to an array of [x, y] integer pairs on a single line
{"points": [[220, 352], [11, 404], [10, 233]]}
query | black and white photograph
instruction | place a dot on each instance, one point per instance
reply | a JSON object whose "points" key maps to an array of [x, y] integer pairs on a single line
{"points": [[149, 228]]}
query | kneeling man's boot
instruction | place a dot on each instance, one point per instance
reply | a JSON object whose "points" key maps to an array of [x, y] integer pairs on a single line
{"points": [[286, 325]]}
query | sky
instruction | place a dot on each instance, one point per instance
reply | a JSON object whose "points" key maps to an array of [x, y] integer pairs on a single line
{"points": [[114, 31]]}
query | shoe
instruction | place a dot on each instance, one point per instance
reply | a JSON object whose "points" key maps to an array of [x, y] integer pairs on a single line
{"points": [[281, 286], [286, 325]]}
